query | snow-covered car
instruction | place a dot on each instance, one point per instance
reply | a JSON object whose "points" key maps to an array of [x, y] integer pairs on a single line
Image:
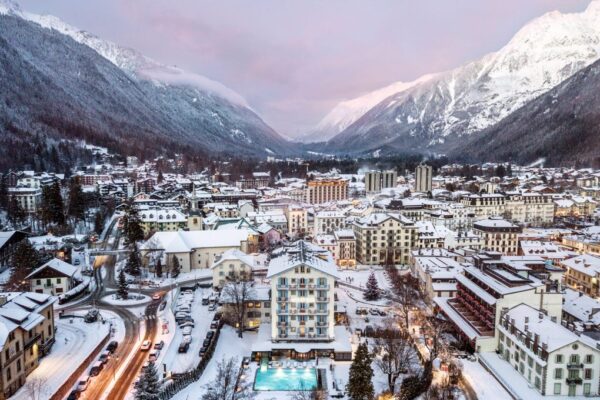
{"points": [[159, 345], [83, 383], [186, 323], [156, 296], [187, 339], [186, 330], [146, 344], [212, 307]]}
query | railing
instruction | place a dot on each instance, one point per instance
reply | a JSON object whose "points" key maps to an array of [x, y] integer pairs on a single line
{"points": [[576, 381], [574, 366], [32, 341]]}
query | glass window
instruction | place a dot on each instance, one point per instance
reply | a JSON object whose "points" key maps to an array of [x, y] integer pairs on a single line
{"points": [[558, 373], [557, 388]]}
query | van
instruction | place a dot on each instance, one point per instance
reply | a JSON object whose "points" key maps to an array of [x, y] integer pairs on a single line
{"points": [[205, 300], [96, 368], [83, 383]]}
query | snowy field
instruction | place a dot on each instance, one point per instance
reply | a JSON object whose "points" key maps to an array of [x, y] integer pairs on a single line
{"points": [[74, 342]]}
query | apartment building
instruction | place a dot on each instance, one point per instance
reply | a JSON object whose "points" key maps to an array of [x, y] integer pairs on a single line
{"points": [[384, 238], [162, 220], [423, 178], [346, 248], [436, 270], [529, 208], [553, 359], [323, 190], [498, 235], [485, 205], [297, 218], [302, 278], [258, 306], [583, 274], [26, 334], [377, 180], [326, 222], [231, 264]]}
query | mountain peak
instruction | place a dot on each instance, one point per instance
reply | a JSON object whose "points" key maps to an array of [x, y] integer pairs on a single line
{"points": [[10, 7]]}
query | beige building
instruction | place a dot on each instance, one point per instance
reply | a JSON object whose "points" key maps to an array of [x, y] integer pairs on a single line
{"points": [[583, 274], [384, 238], [162, 220], [324, 190], [297, 219], [231, 264], [498, 235], [27, 333], [377, 180], [346, 248], [326, 222], [302, 278]]}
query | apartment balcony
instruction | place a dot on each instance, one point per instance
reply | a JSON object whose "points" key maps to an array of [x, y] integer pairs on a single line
{"points": [[282, 323], [483, 326], [322, 299], [30, 342], [283, 299], [322, 323], [321, 287], [575, 381], [574, 366]]}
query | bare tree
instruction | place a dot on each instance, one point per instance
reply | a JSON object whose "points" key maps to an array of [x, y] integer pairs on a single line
{"points": [[393, 352], [237, 292], [406, 290], [36, 388], [308, 394], [434, 329], [225, 385]]}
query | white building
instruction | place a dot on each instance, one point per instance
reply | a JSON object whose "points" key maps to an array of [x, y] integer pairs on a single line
{"points": [[53, 278]]}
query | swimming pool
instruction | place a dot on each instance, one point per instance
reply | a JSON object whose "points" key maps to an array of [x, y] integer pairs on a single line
{"points": [[285, 379]]}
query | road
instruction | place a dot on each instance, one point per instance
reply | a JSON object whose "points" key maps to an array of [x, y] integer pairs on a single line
{"points": [[100, 384]]}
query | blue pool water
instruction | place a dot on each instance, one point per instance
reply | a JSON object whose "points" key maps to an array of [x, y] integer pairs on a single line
{"points": [[285, 379]]}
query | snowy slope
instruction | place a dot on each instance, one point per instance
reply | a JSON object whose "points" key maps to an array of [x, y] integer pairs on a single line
{"points": [[346, 112], [541, 55]]}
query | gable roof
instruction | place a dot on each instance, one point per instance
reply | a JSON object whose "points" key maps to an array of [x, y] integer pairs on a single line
{"points": [[62, 268], [302, 253]]}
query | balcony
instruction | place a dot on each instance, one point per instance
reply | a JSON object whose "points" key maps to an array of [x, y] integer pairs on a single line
{"points": [[321, 323], [574, 381], [284, 299], [282, 323], [574, 366], [322, 299], [32, 341]]}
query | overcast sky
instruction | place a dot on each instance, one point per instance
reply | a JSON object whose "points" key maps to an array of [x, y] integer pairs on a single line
{"points": [[294, 60]]}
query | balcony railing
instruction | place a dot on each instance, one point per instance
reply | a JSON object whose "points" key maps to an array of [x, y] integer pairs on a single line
{"points": [[322, 299], [574, 366], [32, 341], [576, 381]]}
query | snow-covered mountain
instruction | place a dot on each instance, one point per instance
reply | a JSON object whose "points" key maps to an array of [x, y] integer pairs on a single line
{"points": [[345, 113], [116, 94], [541, 55]]}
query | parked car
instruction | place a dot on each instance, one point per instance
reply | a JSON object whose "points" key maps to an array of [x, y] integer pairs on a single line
{"points": [[83, 383], [382, 313], [112, 346], [206, 342], [187, 339], [183, 347], [162, 306], [154, 355], [186, 330], [156, 296], [96, 368], [373, 311], [186, 323], [74, 395], [104, 356], [205, 300], [214, 324], [159, 345], [146, 344], [210, 334], [203, 351], [212, 307]]}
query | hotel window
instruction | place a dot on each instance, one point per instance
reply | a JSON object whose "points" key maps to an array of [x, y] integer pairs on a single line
{"points": [[558, 373], [559, 358], [587, 388], [589, 358], [587, 373]]}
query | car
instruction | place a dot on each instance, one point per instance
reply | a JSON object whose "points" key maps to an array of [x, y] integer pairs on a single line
{"points": [[104, 356], [186, 323], [214, 324], [206, 342], [74, 395], [205, 300], [186, 339], [153, 355], [156, 296], [146, 344], [76, 262], [373, 311], [96, 368], [83, 383], [203, 351], [382, 313], [159, 345], [112, 346], [210, 334], [146, 364], [186, 330], [183, 347], [212, 307]]}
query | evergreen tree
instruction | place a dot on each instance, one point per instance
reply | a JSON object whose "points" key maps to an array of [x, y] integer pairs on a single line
{"points": [[360, 386], [175, 267], [14, 212], [122, 291], [24, 260], [52, 206], [160, 177], [134, 262], [372, 292], [76, 208], [149, 388], [4, 191], [132, 224], [158, 268]]}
